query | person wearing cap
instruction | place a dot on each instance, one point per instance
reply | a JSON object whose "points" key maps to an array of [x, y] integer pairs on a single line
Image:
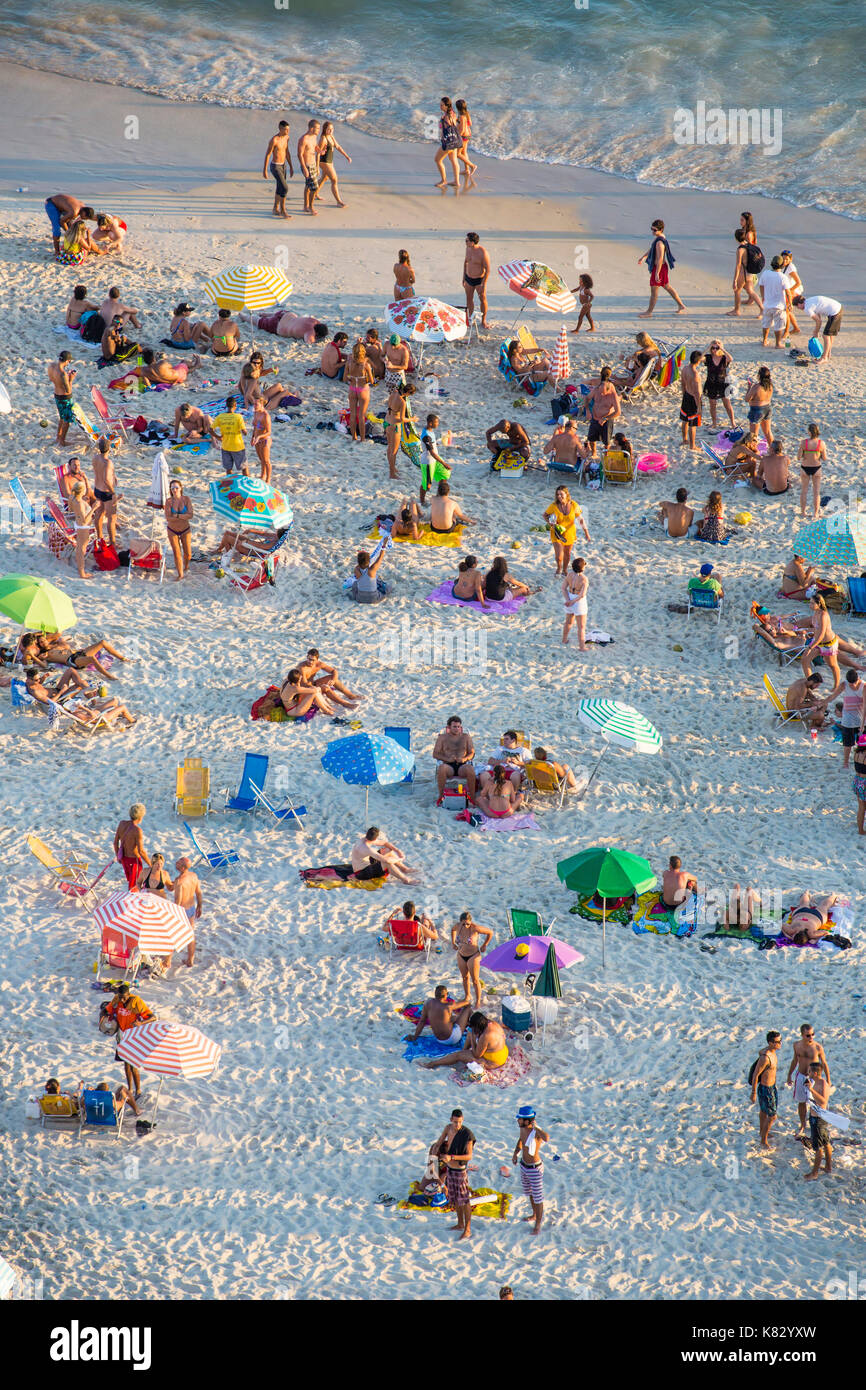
{"points": [[530, 1137], [706, 579], [397, 360], [187, 894], [182, 332]]}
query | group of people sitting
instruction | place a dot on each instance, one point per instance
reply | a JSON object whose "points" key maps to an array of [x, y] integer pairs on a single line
{"points": [[312, 685], [678, 518], [497, 789]]}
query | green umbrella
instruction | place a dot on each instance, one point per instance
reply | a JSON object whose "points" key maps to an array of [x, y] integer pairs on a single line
{"points": [[607, 872], [35, 603], [548, 985]]}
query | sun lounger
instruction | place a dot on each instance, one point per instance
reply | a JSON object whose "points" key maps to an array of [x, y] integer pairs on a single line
{"points": [[783, 715], [210, 859], [618, 468], [785, 655], [85, 892], [857, 595], [244, 799], [71, 869]]}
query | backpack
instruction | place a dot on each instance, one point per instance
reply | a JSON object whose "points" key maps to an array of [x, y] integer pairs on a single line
{"points": [[752, 1070], [754, 259], [93, 329]]}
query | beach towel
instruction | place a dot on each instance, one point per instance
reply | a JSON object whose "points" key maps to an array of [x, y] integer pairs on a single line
{"points": [[428, 1046], [74, 336], [334, 875], [444, 596], [522, 820], [201, 446], [651, 916], [492, 1204], [587, 908], [453, 539], [413, 1010], [216, 407], [516, 1067]]}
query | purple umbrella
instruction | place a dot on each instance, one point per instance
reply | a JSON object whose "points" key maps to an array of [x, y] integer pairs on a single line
{"points": [[505, 958]]}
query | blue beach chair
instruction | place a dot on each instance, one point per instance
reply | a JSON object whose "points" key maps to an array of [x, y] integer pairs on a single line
{"points": [[856, 594], [217, 858], [706, 599], [98, 1110], [255, 770], [525, 384], [282, 813], [401, 734]]}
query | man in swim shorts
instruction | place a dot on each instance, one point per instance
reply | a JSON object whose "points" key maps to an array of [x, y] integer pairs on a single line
{"points": [[676, 884], [129, 845], [516, 439], [445, 513], [676, 517], [818, 1089], [454, 1148], [61, 209], [374, 857], [454, 751], [476, 270], [764, 1089], [308, 159], [445, 1023], [187, 894], [61, 376], [530, 1137], [104, 483], [690, 406], [278, 163], [806, 1052]]}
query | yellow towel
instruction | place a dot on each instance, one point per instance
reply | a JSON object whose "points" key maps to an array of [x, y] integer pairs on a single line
{"points": [[453, 539], [496, 1207]]}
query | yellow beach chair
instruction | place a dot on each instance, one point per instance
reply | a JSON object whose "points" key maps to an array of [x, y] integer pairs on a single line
{"points": [[73, 870], [785, 716], [192, 795], [542, 777]]}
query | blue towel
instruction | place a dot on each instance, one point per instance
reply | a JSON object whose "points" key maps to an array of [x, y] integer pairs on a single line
{"points": [[428, 1046]]}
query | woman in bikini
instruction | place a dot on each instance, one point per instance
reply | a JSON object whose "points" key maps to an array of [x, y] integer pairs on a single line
{"points": [[404, 277], [397, 415], [827, 643], [250, 386], [468, 585], [178, 518], [464, 127], [156, 880], [82, 518], [57, 651], [298, 699], [325, 150], [182, 332], [464, 938], [811, 454], [261, 439], [484, 1043], [358, 376], [498, 796], [449, 142]]}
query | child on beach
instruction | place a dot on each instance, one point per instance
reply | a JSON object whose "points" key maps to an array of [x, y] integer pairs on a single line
{"points": [[583, 290]]}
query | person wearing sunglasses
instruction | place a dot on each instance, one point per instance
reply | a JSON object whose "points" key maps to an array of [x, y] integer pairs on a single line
{"points": [[806, 1052], [530, 1137]]}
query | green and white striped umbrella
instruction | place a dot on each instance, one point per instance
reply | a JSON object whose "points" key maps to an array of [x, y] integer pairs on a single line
{"points": [[836, 539], [620, 724], [251, 287]]}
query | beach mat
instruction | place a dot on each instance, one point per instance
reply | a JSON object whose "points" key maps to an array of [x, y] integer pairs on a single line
{"points": [[515, 1069], [496, 1207], [453, 539], [444, 595], [338, 876]]}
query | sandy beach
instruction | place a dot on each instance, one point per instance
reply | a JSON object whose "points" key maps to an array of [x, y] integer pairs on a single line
{"points": [[262, 1181]]}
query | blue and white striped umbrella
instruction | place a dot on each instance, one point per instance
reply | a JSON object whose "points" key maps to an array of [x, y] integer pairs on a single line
{"points": [[367, 760]]}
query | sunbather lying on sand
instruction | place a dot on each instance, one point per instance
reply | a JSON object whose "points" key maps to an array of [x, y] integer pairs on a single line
{"points": [[810, 918], [485, 1043]]}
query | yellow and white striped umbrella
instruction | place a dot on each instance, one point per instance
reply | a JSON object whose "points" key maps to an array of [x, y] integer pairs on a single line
{"points": [[251, 287]]}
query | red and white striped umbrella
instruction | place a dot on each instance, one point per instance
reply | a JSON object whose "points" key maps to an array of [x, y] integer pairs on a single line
{"points": [[536, 281], [560, 367], [156, 924], [169, 1049]]}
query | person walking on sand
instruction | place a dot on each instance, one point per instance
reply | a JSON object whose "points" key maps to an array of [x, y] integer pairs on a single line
{"points": [[129, 845], [178, 511], [308, 160], [748, 264], [819, 1090], [563, 516], [530, 1137], [62, 376], [187, 894], [454, 1147], [583, 290], [449, 142], [807, 1052], [853, 713], [765, 1092], [476, 272], [690, 405], [328, 144], [278, 163], [574, 593], [464, 125], [660, 262]]}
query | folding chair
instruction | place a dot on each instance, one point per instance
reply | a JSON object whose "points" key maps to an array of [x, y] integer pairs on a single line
{"points": [[401, 734], [542, 777], [150, 561], [857, 595], [618, 468], [98, 1110], [641, 382], [255, 768], [718, 462], [119, 956], [670, 367], [210, 859], [85, 892], [72, 869], [105, 415], [521, 922], [283, 813], [786, 656], [525, 385], [192, 795], [404, 935], [20, 699], [58, 1110], [783, 715], [528, 343], [707, 599]]}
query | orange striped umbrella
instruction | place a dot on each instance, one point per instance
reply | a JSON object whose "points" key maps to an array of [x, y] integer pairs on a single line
{"points": [[157, 925], [169, 1049], [559, 363]]}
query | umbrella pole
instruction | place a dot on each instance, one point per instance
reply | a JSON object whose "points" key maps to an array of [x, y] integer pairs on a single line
{"points": [[594, 770], [156, 1104], [366, 807], [603, 932]]}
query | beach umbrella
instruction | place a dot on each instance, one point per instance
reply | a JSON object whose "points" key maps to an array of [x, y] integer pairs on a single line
{"points": [[511, 959], [8, 1279], [367, 760], [560, 367], [608, 873], [251, 504], [536, 282], [836, 539], [425, 320], [168, 1049], [548, 987], [35, 603], [156, 925], [620, 725], [250, 287]]}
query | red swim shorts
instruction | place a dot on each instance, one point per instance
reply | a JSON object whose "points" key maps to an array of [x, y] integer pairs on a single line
{"points": [[660, 277]]}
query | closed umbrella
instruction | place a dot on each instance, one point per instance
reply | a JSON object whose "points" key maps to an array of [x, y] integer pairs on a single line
{"points": [[560, 366], [168, 1049], [618, 724], [608, 873], [156, 925], [250, 504], [836, 539], [548, 986], [367, 760], [35, 603]]}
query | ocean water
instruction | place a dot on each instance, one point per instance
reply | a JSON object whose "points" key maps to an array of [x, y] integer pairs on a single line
{"points": [[599, 86]]}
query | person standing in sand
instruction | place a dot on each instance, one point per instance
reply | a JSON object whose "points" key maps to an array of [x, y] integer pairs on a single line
{"points": [[574, 593], [454, 1147], [261, 440], [358, 377], [308, 159], [530, 1137], [764, 1089], [660, 261], [806, 1053], [476, 272], [104, 483], [690, 405], [62, 376], [129, 845], [404, 276], [187, 894], [178, 512], [819, 1090], [464, 940], [397, 416], [82, 514], [278, 163], [450, 141], [742, 282]]}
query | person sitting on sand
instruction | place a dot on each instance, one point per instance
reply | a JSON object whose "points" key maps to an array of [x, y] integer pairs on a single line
{"points": [[497, 797], [157, 370], [485, 1043], [677, 884], [79, 306], [802, 697], [109, 232], [113, 305], [318, 673], [285, 324], [740, 907], [454, 751], [77, 244], [224, 335], [192, 425], [115, 345], [810, 917], [409, 519], [771, 474], [372, 855], [367, 587], [332, 363], [469, 586], [676, 517], [498, 583], [528, 367], [445, 513], [447, 1022], [297, 697], [541, 755], [183, 332], [252, 390], [711, 527], [508, 435]]}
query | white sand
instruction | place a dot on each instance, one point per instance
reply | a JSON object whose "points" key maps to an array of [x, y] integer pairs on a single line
{"points": [[261, 1182]]}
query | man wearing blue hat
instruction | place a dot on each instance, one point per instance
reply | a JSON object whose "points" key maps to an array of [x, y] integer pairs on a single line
{"points": [[528, 1149], [707, 579]]}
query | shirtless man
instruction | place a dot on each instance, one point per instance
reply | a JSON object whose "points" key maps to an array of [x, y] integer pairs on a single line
{"points": [[476, 270], [566, 446], [690, 410], [819, 1090], [454, 751], [112, 306], [676, 884], [303, 327], [806, 1052], [277, 161], [187, 894], [397, 360], [192, 424], [764, 1089], [225, 335], [676, 517], [603, 405], [333, 360], [129, 845], [104, 483], [802, 695], [515, 437], [530, 1137], [375, 353], [62, 209], [446, 1022], [157, 369], [61, 376], [75, 474], [445, 513], [771, 474], [308, 159], [373, 853], [318, 673]]}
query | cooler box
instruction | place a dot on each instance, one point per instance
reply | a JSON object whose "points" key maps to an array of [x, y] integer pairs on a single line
{"points": [[454, 797], [516, 1013]]}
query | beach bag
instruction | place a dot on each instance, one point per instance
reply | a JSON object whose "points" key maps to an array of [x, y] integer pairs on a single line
{"points": [[755, 261], [752, 1070], [105, 556], [450, 136], [93, 329]]}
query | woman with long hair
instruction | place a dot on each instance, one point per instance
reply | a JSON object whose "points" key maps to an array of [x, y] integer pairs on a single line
{"points": [[811, 454], [325, 149], [404, 276], [464, 126], [450, 141], [358, 376], [759, 399]]}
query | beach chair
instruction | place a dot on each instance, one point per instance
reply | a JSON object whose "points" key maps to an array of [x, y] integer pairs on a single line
{"points": [[523, 739], [255, 769], [98, 1110], [524, 923], [211, 859], [192, 796], [528, 343], [279, 814], [58, 1110], [257, 568], [718, 462], [150, 561], [85, 892], [618, 468], [783, 715], [542, 778], [119, 956], [404, 935], [707, 600], [71, 869], [102, 410], [670, 366], [525, 384], [857, 595], [401, 734], [641, 383], [786, 656], [20, 698]]}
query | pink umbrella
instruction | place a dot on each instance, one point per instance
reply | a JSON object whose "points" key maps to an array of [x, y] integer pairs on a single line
{"points": [[504, 958], [154, 924], [560, 367], [537, 282]]}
